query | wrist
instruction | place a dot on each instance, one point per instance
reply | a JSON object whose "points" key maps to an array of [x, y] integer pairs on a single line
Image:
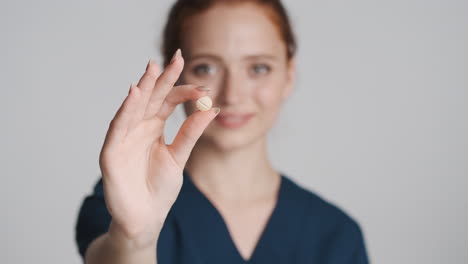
{"points": [[128, 240]]}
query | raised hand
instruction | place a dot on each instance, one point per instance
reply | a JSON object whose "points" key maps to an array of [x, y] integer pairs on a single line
{"points": [[142, 175]]}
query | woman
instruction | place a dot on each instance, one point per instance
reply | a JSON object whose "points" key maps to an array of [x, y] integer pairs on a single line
{"points": [[212, 196]]}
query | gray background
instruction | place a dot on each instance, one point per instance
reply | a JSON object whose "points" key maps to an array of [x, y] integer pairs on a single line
{"points": [[377, 124]]}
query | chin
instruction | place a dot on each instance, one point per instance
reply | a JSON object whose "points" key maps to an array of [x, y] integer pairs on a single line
{"points": [[228, 143]]}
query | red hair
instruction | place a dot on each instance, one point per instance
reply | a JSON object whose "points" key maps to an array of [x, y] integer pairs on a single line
{"points": [[182, 9]]}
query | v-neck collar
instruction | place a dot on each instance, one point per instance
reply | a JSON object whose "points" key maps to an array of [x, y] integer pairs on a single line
{"points": [[212, 232]]}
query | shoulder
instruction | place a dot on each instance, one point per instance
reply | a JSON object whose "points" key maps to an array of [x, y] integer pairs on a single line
{"points": [[332, 228], [93, 218], [315, 205]]}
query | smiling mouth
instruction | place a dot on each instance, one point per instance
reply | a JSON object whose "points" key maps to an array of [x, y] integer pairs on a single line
{"points": [[233, 120]]}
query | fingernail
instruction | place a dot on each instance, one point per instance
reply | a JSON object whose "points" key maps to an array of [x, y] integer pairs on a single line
{"points": [[147, 66], [217, 110], [176, 55], [203, 88]]}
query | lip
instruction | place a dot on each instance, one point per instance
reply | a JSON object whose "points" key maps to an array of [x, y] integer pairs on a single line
{"points": [[233, 120]]}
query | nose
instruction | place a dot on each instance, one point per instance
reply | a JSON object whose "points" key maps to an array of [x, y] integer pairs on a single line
{"points": [[233, 88]]}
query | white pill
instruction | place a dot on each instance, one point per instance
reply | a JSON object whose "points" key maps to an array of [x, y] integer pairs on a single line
{"points": [[204, 103]]}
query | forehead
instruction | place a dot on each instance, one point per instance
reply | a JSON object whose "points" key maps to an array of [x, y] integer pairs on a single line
{"points": [[233, 30]]}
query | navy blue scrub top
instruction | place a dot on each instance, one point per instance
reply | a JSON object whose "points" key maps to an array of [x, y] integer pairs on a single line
{"points": [[303, 228]]}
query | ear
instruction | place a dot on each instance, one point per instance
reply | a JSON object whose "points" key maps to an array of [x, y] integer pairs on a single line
{"points": [[291, 77]]}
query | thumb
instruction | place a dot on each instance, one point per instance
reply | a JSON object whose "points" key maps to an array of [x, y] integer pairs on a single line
{"points": [[190, 132]]}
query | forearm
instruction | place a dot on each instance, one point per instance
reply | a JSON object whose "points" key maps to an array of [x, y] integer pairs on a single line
{"points": [[117, 248]]}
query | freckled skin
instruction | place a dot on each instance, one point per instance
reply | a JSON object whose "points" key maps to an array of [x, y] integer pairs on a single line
{"points": [[226, 39]]}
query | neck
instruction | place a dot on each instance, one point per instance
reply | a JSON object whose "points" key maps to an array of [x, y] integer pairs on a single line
{"points": [[242, 174]]}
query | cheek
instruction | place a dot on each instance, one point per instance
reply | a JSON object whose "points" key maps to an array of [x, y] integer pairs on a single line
{"points": [[268, 95], [268, 100]]}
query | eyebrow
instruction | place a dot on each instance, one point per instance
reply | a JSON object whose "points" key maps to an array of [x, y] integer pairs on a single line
{"points": [[261, 56], [248, 57]]}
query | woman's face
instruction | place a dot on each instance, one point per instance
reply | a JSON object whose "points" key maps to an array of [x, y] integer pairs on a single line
{"points": [[237, 52]]}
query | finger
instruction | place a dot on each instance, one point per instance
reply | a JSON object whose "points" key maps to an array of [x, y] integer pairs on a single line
{"points": [[146, 85], [120, 123], [178, 95], [164, 84], [189, 133]]}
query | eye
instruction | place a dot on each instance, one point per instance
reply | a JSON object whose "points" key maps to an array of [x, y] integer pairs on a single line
{"points": [[260, 69], [203, 69]]}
